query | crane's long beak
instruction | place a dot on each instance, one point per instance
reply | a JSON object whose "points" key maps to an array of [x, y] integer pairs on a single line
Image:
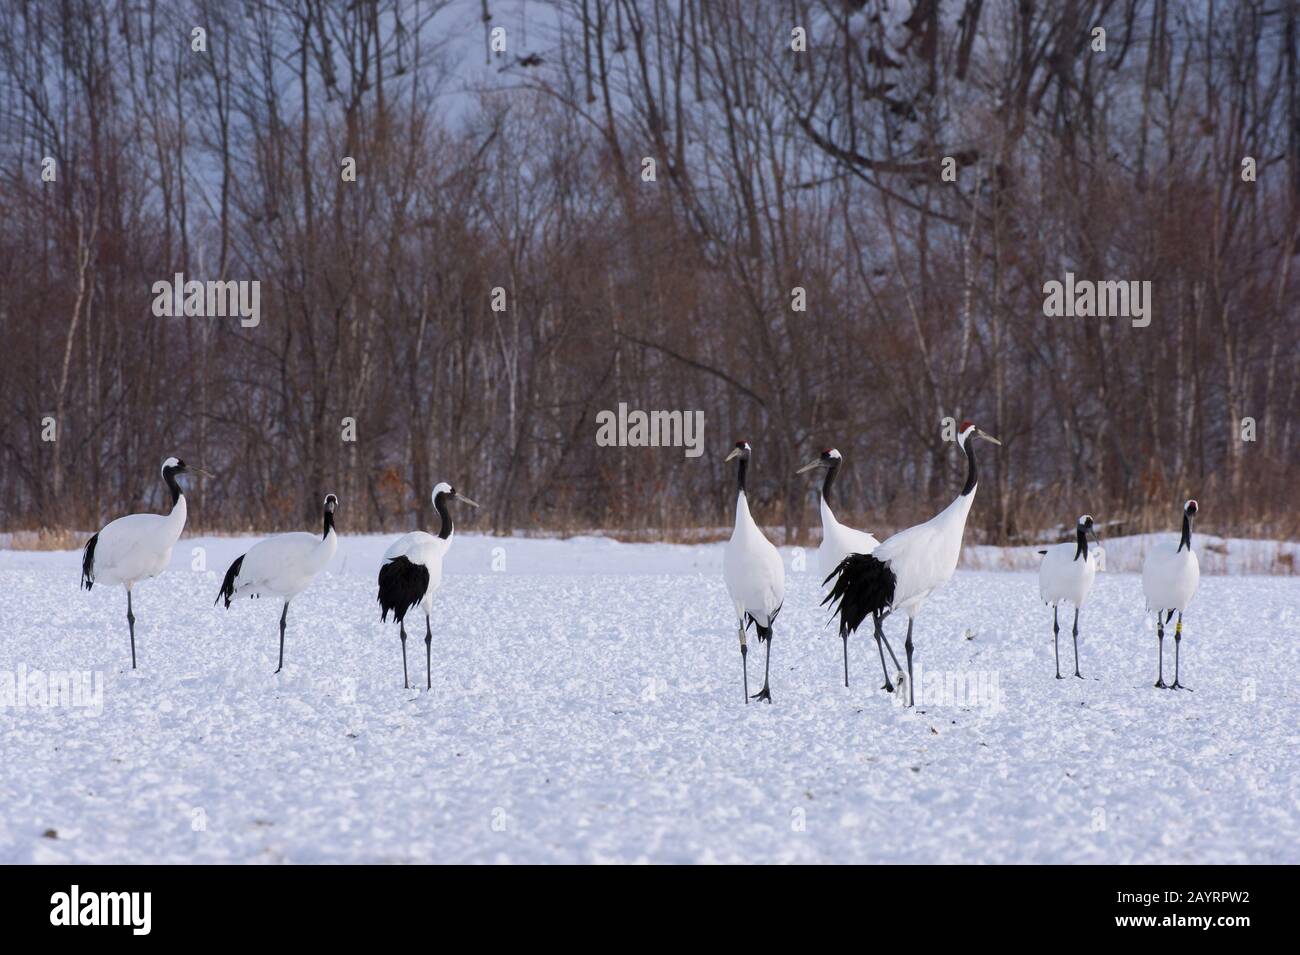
{"points": [[196, 470], [464, 500], [735, 453], [987, 437], [815, 463]]}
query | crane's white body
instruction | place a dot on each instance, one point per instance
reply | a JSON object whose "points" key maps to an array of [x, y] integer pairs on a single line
{"points": [[138, 546], [752, 569], [838, 541], [427, 551], [924, 557], [412, 571], [284, 565], [1063, 578], [1170, 576]]}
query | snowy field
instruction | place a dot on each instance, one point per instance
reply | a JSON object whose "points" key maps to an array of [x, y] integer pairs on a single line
{"points": [[586, 707]]}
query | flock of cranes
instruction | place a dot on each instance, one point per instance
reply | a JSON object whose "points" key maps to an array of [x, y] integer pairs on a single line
{"points": [[871, 578], [864, 577], [139, 546]]}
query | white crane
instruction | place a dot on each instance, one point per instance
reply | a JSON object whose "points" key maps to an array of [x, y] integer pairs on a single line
{"points": [[1067, 573], [755, 576], [282, 566], [1170, 577], [904, 570], [412, 571], [137, 546], [838, 541]]}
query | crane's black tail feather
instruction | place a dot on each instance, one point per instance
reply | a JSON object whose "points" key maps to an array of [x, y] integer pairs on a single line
{"points": [[402, 585], [764, 633], [228, 585], [863, 585], [88, 564]]}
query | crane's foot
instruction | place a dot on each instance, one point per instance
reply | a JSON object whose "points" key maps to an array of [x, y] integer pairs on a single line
{"points": [[763, 694], [888, 687], [1161, 685], [1179, 686], [1059, 677], [1078, 674]]}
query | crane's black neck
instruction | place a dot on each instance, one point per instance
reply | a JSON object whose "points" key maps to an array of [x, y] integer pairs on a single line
{"points": [[971, 475], [329, 523], [169, 476], [830, 479], [440, 505], [740, 474], [1082, 550], [1186, 540]]}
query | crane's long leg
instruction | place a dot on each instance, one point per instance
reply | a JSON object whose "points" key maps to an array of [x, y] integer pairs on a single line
{"points": [[911, 689], [1076, 644], [765, 693], [888, 687], [1160, 642], [401, 630], [897, 665], [1178, 639], [130, 622], [744, 661], [283, 615], [1056, 645], [845, 638], [428, 659]]}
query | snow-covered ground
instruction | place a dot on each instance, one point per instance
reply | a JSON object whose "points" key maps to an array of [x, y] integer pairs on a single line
{"points": [[586, 706]]}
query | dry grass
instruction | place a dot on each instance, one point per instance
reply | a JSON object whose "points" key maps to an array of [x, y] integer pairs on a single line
{"points": [[44, 539]]}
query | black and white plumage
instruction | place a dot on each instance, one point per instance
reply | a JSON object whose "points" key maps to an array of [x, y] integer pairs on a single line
{"points": [[412, 571], [838, 540], [905, 569], [282, 566], [137, 546], [755, 576], [1066, 574], [1170, 577]]}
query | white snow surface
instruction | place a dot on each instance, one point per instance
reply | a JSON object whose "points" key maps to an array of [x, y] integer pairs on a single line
{"points": [[587, 707]]}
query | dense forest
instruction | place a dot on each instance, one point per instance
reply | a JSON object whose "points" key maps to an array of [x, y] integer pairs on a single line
{"points": [[476, 225]]}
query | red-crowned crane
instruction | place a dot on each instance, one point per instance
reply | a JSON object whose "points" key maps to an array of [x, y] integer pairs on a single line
{"points": [[1066, 574], [412, 571], [755, 576], [904, 570], [838, 541], [138, 546], [1170, 577], [282, 566]]}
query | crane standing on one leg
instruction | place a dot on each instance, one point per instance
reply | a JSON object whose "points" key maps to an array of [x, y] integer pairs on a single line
{"points": [[137, 546]]}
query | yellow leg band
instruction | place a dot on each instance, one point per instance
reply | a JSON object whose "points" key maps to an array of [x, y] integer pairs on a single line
{"points": [[1179, 627]]}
